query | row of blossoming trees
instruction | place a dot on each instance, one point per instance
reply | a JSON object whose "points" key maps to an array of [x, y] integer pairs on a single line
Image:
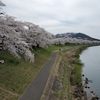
{"points": [[20, 37]]}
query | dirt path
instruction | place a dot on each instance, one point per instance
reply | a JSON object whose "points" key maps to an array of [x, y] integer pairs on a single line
{"points": [[34, 91], [5, 90]]}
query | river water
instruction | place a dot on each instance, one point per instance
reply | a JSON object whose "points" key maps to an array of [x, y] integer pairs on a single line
{"points": [[91, 68]]}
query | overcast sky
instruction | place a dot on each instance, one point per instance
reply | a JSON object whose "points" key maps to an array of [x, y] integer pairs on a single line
{"points": [[58, 16]]}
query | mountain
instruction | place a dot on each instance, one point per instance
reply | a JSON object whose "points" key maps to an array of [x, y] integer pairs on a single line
{"points": [[76, 35]]}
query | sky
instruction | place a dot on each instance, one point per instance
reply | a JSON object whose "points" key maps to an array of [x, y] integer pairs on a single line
{"points": [[58, 16]]}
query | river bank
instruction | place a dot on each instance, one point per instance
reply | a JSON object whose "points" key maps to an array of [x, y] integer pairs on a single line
{"points": [[66, 75]]}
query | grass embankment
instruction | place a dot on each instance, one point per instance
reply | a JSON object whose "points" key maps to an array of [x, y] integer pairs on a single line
{"points": [[76, 71], [72, 70], [69, 72], [17, 74]]}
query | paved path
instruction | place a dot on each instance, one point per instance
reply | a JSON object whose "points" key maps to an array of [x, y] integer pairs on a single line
{"points": [[36, 88]]}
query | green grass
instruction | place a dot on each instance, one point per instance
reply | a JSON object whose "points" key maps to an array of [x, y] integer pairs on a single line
{"points": [[17, 74], [65, 82], [77, 66], [7, 96], [77, 75]]}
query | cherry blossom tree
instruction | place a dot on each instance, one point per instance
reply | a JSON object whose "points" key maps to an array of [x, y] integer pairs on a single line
{"points": [[12, 40], [37, 36], [18, 37]]}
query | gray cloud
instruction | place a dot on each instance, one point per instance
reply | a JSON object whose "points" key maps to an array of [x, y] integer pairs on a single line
{"points": [[58, 16]]}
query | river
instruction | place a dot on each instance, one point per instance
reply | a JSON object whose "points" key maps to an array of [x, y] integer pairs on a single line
{"points": [[91, 68]]}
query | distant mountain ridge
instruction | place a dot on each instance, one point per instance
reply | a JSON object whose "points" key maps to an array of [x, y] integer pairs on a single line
{"points": [[76, 35]]}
